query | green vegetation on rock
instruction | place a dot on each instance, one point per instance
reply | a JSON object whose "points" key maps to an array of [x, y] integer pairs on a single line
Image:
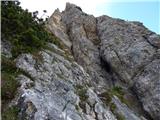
{"points": [[107, 99], [8, 75], [10, 113], [24, 29], [9, 72], [81, 91], [109, 93], [27, 34], [120, 117], [112, 107]]}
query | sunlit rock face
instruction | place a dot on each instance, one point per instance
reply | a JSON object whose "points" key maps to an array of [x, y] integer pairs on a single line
{"points": [[58, 28], [51, 90], [79, 81]]}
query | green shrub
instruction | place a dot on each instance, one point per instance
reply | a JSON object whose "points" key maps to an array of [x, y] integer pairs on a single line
{"points": [[77, 107], [23, 29], [109, 93], [120, 116], [112, 107], [81, 91], [9, 85], [11, 113], [8, 75], [106, 97], [8, 65], [9, 72], [118, 91], [82, 94], [26, 32]]}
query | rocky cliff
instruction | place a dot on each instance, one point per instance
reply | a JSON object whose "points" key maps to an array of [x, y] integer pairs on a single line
{"points": [[108, 69]]}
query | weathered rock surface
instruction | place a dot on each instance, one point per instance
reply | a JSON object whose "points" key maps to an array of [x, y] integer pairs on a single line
{"points": [[124, 46], [148, 88], [58, 28], [154, 40], [54, 92], [6, 48], [124, 110], [131, 49], [107, 52], [82, 31]]}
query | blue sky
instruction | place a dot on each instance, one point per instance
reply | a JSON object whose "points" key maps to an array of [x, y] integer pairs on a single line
{"points": [[145, 11]]}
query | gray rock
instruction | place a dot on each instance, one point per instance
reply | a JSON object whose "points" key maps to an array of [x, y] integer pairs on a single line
{"points": [[147, 88], [105, 52], [53, 90], [101, 111], [92, 97], [58, 28], [52, 93], [123, 47], [154, 40], [124, 110], [83, 34], [103, 114], [130, 50], [6, 48], [28, 110]]}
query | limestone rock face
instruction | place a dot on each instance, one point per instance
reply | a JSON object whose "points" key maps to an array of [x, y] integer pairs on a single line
{"points": [[112, 51], [58, 28], [82, 31], [124, 45], [131, 49], [148, 88], [54, 89], [108, 56], [154, 40], [124, 110]]}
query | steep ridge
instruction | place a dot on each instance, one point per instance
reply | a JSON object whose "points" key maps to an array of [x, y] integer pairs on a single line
{"points": [[125, 48], [82, 31], [108, 69]]}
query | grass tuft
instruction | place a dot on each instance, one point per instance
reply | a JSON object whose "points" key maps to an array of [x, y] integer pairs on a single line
{"points": [[11, 113]]}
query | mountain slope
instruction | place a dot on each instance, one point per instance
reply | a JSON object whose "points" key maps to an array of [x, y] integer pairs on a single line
{"points": [[101, 69]]}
